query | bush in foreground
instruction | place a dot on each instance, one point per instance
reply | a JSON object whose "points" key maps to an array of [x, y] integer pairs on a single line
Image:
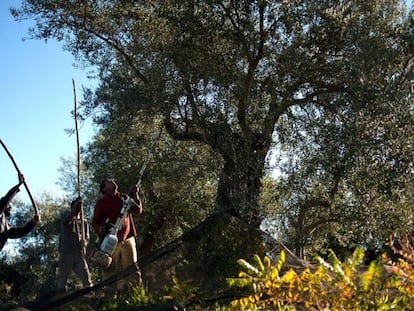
{"points": [[330, 285]]}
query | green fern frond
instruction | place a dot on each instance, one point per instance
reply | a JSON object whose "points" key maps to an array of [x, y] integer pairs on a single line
{"points": [[267, 262], [281, 261], [239, 282], [324, 263], [247, 266], [333, 259], [357, 257], [258, 263], [370, 276]]}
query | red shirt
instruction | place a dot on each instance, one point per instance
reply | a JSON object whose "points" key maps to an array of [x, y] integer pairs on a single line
{"points": [[108, 207]]}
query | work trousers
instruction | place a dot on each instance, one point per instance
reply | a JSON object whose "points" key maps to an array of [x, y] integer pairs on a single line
{"points": [[125, 254], [77, 264]]}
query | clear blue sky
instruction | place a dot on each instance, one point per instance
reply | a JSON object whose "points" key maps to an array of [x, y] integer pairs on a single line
{"points": [[36, 100]]}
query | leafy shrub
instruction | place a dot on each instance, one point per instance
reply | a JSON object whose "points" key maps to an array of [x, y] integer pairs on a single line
{"points": [[4, 291], [180, 293], [133, 296], [330, 285], [403, 268]]}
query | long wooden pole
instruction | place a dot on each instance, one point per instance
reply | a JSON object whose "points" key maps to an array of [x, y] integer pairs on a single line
{"points": [[75, 112], [24, 182]]}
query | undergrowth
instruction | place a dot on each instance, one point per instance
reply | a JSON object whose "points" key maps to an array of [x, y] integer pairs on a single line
{"points": [[328, 284]]}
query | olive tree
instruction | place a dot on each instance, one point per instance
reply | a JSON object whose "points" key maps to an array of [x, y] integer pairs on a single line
{"points": [[227, 74]]}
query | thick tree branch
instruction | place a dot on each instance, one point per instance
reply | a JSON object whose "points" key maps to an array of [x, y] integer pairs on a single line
{"points": [[110, 42]]}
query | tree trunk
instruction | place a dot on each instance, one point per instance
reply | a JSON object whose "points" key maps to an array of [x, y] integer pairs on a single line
{"points": [[240, 179]]}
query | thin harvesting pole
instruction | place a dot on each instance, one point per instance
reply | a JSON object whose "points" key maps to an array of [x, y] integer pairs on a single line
{"points": [[75, 113], [24, 182]]}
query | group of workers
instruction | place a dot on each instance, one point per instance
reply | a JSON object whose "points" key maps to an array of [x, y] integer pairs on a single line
{"points": [[75, 235]]}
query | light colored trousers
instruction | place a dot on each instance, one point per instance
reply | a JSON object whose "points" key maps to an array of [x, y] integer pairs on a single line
{"points": [[125, 254]]}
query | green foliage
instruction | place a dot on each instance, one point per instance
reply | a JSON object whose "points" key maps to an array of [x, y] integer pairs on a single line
{"points": [[4, 291], [332, 285], [30, 267], [68, 182], [403, 267], [135, 296], [323, 84], [177, 187], [180, 294], [132, 297]]}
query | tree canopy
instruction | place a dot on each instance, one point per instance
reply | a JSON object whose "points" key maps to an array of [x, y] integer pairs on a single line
{"points": [[324, 84]]}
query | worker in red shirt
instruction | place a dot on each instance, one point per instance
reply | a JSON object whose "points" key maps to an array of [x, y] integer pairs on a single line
{"points": [[106, 213]]}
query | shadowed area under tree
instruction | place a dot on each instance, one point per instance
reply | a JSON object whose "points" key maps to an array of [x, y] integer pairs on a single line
{"points": [[203, 258]]}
